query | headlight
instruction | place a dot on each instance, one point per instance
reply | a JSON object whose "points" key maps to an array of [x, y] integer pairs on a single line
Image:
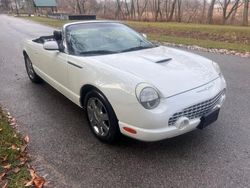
{"points": [[148, 96], [216, 67]]}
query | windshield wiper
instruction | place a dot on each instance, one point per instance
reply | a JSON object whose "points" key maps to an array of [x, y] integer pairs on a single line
{"points": [[97, 52], [136, 48]]}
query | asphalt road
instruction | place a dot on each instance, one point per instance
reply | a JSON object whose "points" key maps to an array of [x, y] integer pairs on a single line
{"points": [[65, 151]]}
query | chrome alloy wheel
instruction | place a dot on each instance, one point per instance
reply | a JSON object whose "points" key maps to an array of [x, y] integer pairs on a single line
{"points": [[30, 69], [98, 116]]}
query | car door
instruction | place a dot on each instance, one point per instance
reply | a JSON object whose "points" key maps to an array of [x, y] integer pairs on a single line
{"points": [[56, 68]]}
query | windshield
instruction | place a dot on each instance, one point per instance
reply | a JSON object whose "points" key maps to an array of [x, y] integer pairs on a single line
{"points": [[103, 38]]}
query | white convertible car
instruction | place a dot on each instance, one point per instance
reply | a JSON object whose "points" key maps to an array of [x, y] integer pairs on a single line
{"points": [[127, 84]]}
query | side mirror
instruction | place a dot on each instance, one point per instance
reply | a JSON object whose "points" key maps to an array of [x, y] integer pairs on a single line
{"points": [[144, 35], [51, 45]]}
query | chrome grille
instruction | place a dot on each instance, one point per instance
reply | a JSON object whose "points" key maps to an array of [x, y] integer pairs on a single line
{"points": [[197, 110]]}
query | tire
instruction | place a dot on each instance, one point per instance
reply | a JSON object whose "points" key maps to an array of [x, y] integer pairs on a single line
{"points": [[31, 72], [101, 116]]}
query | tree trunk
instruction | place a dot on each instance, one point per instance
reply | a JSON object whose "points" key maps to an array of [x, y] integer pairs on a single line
{"points": [[166, 9], [83, 6], [210, 12], [128, 12], [118, 9], [157, 9], [170, 18], [245, 13], [17, 11], [132, 9], [203, 10], [179, 10], [225, 15], [78, 6]]}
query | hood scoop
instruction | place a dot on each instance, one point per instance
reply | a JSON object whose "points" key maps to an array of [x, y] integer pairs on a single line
{"points": [[164, 60]]}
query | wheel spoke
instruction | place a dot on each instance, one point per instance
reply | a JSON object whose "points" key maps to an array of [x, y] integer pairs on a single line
{"points": [[93, 105], [99, 107], [104, 117], [91, 116], [98, 117], [104, 127]]}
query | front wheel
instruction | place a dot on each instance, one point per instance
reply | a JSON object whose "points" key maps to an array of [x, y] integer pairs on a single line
{"points": [[30, 70], [101, 116]]}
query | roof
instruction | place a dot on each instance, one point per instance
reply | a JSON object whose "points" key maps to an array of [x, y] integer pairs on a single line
{"points": [[45, 3]]}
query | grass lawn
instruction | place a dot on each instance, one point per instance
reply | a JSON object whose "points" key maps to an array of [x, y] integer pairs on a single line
{"points": [[13, 169], [209, 36]]}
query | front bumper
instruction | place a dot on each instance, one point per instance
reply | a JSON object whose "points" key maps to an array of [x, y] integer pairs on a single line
{"points": [[155, 126], [151, 135]]}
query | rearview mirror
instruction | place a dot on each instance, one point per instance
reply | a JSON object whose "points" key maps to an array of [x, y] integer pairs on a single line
{"points": [[51, 45], [144, 35]]}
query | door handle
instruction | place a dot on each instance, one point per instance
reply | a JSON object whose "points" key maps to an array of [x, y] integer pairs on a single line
{"points": [[75, 65]]}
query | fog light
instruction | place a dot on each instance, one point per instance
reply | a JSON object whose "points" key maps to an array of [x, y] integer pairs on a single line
{"points": [[221, 101], [182, 122]]}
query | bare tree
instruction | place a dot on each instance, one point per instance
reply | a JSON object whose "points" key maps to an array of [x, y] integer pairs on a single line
{"points": [[17, 7], [132, 9], [78, 4], [245, 12], [179, 2], [170, 18], [118, 9], [204, 6], [140, 10], [157, 9], [169, 10], [6, 4], [210, 12], [227, 11]]}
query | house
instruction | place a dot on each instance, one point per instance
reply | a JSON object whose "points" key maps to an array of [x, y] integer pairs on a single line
{"points": [[45, 6]]}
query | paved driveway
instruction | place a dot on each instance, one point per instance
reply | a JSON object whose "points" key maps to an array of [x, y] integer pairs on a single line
{"points": [[65, 150]]}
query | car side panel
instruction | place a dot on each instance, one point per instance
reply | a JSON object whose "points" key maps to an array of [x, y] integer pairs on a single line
{"points": [[42, 62]]}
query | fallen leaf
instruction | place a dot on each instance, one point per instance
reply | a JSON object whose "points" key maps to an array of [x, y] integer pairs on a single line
{"points": [[28, 165], [32, 174], [13, 121], [7, 166], [1, 130], [23, 159], [5, 185], [10, 118], [28, 184], [39, 182], [23, 148], [26, 139], [12, 124], [2, 175], [16, 170], [13, 147], [21, 164], [4, 158]]}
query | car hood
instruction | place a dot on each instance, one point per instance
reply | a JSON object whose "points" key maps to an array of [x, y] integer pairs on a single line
{"points": [[170, 70]]}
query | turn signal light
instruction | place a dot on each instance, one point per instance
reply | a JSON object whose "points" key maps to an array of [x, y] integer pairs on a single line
{"points": [[130, 130]]}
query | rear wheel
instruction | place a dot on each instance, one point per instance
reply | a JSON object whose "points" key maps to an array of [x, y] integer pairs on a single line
{"points": [[30, 71], [101, 116]]}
